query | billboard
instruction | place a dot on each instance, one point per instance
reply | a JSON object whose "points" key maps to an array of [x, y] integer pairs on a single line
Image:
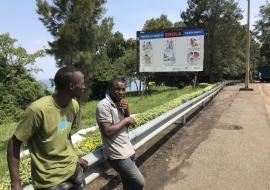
{"points": [[171, 51]]}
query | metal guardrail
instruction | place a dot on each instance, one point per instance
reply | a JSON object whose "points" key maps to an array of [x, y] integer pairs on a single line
{"points": [[142, 134]]}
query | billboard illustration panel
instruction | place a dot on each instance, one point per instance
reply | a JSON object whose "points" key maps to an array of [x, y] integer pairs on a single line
{"points": [[171, 51]]}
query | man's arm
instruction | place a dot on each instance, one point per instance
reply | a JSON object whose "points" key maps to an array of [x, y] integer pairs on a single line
{"points": [[13, 159], [81, 161], [110, 129], [75, 124]]}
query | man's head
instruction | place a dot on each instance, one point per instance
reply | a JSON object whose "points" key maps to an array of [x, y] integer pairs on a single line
{"points": [[71, 80], [117, 89]]}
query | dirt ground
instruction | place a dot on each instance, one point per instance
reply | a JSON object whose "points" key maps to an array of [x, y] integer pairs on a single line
{"points": [[224, 146]]}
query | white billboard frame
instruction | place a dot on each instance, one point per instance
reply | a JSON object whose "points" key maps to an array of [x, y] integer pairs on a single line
{"points": [[175, 50]]}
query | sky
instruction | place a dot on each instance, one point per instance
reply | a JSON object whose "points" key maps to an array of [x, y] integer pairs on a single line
{"points": [[20, 20]]}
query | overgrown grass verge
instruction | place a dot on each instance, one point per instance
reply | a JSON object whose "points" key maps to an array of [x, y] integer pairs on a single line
{"points": [[148, 108]]}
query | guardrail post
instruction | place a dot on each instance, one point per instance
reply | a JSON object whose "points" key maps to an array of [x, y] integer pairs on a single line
{"points": [[203, 104], [184, 119]]}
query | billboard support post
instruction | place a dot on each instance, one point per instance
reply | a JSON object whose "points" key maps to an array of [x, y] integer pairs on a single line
{"points": [[195, 80]]}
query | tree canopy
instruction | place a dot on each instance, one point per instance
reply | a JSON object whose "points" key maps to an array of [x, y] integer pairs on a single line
{"points": [[262, 31], [225, 40], [73, 24], [18, 88], [83, 40]]}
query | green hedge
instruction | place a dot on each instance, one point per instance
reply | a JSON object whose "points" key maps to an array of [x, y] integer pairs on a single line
{"points": [[142, 118]]}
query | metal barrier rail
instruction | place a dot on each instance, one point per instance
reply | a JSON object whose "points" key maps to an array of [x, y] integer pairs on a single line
{"points": [[142, 134]]}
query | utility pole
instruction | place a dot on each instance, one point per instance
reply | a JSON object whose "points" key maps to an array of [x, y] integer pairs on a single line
{"points": [[247, 51], [248, 47]]}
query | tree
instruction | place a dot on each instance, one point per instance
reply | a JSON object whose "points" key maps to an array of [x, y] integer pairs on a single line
{"points": [[161, 23], [224, 46], [117, 46], [76, 31], [73, 24], [81, 41], [262, 31], [256, 60], [115, 61], [109, 52], [179, 24], [131, 44], [17, 86]]}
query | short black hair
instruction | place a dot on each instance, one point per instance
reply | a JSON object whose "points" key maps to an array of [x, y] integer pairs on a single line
{"points": [[63, 77], [116, 79]]}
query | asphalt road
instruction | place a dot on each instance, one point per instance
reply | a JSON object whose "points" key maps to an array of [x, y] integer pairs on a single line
{"points": [[225, 146]]}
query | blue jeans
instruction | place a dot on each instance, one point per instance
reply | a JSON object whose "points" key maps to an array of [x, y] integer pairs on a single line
{"points": [[131, 176]]}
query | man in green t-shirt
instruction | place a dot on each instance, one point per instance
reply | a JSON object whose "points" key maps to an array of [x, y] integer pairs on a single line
{"points": [[45, 127]]}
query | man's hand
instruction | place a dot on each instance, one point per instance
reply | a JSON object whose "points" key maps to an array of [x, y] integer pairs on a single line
{"points": [[83, 163], [123, 105], [130, 121]]}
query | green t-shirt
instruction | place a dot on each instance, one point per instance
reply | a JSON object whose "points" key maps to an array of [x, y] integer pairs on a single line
{"points": [[46, 129]]}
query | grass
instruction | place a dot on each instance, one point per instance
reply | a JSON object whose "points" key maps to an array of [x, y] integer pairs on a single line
{"points": [[88, 111], [5, 134], [158, 97], [137, 104]]}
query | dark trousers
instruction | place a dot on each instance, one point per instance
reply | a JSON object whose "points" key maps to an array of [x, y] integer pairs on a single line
{"points": [[75, 182], [131, 176]]}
